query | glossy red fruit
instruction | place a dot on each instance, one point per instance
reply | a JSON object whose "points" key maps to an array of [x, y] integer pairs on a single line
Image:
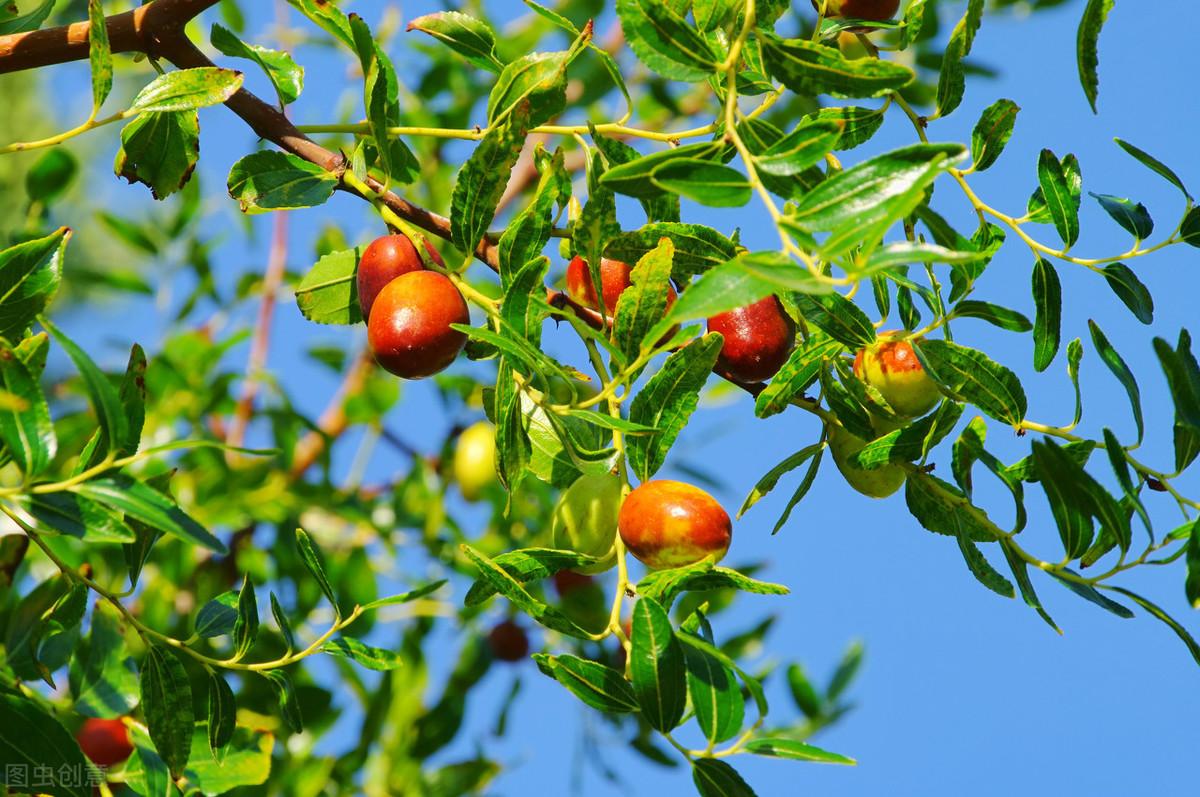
{"points": [[409, 329], [758, 339], [568, 581], [105, 742], [669, 524], [874, 10], [614, 279], [508, 642], [382, 261]]}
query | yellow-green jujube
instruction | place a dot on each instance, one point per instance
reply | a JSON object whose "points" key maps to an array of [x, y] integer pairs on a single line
{"points": [[890, 365], [585, 519], [475, 460], [875, 483]]}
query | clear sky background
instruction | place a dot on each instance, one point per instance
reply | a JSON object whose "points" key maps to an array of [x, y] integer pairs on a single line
{"points": [[962, 691]]}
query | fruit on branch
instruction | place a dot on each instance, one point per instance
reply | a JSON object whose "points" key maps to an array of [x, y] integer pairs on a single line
{"points": [[851, 46], [104, 742], [475, 460], [382, 261], [874, 10], [409, 327], [508, 641], [614, 279], [568, 581], [669, 524], [758, 339], [585, 519], [891, 366], [875, 483]]}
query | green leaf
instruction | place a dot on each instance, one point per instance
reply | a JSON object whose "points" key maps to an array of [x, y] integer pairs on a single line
{"points": [[1153, 164], [771, 478], [1086, 52], [1064, 483], [969, 375], [167, 705], [668, 400], [663, 41], [805, 146], [328, 17], [99, 55], [644, 303], [941, 508], [1091, 594], [289, 703], [51, 175], [539, 79], [858, 196], [222, 715], [529, 231], [994, 314], [600, 687], [381, 92], [1132, 216], [1047, 299], [706, 183], [1020, 571], [1061, 196], [992, 132], [469, 37], [218, 616], [25, 425], [523, 308], [666, 585], [838, 317], [284, 73], [809, 68], [656, 666], [149, 506], [715, 694], [482, 179], [697, 248], [983, 571], [1121, 371], [508, 586], [29, 276], [245, 627], [106, 402], [30, 20], [525, 565], [635, 176], [32, 738], [1192, 585], [1130, 290], [328, 293], [910, 442], [714, 778], [311, 556], [406, 597], [1181, 632], [246, 761], [782, 747], [858, 124], [806, 361], [952, 79], [103, 677], [272, 180], [188, 89], [370, 657]]}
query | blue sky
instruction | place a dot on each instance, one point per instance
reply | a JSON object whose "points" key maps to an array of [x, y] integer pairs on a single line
{"points": [[962, 690]]}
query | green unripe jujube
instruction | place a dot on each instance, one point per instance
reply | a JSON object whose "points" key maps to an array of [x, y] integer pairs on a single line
{"points": [[585, 519]]}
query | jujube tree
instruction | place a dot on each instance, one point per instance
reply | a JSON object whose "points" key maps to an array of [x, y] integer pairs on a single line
{"points": [[571, 342]]}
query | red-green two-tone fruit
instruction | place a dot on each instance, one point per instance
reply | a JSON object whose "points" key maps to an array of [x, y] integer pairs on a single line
{"points": [[105, 742], [508, 641], [758, 339], [669, 524], [475, 460], [382, 261], [874, 10], [409, 327], [585, 519], [891, 366], [875, 482], [614, 279]]}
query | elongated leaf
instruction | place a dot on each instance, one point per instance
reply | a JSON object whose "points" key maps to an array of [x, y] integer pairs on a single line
{"points": [[148, 505], [600, 687], [969, 375], [992, 132], [668, 400], [502, 582], [525, 565], [372, 658], [29, 276], [1121, 371], [285, 74], [289, 703], [663, 41], [858, 124], [715, 778], [99, 54], [810, 68], [697, 248], [805, 146], [782, 747], [103, 677], [271, 180], [25, 425], [1153, 164], [311, 556], [1192, 584], [104, 398], [1047, 299], [167, 704], [772, 477], [1003, 317], [1133, 216], [538, 80], [328, 293], [1130, 290], [222, 714], [706, 183], [644, 303], [482, 179], [245, 627], [665, 585], [1153, 608], [33, 741], [469, 37], [1020, 571], [218, 616], [1061, 203], [715, 694], [188, 89], [983, 571], [1086, 51], [657, 667], [952, 78]]}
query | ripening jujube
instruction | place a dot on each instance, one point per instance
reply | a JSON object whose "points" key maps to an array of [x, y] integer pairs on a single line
{"points": [[668, 524], [614, 279], [105, 742], [758, 339], [872, 482], [890, 365], [384, 259], [874, 10], [474, 464], [409, 327], [508, 641]]}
